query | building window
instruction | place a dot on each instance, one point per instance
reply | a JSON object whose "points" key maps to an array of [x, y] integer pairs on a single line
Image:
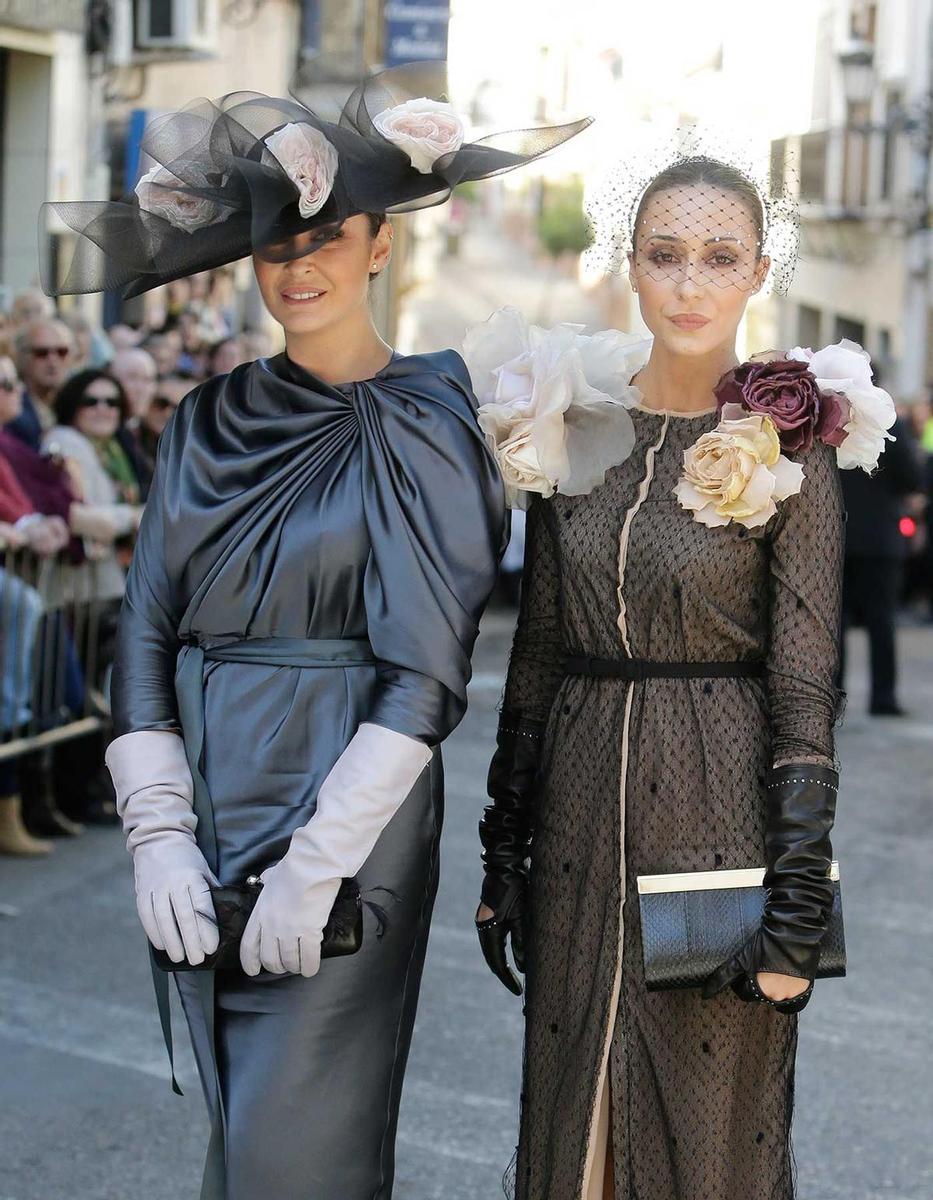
{"points": [[863, 20], [889, 155], [778, 161], [809, 321], [847, 327], [813, 166], [855, 163]]}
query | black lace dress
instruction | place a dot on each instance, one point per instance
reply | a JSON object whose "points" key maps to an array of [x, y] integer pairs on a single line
{"points": [[660, 776]]}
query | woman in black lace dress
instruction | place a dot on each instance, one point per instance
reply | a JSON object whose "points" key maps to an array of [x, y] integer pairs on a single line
{"points": [[670, 707]]}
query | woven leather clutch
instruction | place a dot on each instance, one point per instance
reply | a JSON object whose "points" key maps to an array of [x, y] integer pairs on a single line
{"points": [[694, 921], [343, 933]]}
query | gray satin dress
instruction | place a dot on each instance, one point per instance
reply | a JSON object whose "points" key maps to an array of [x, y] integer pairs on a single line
{"points": [[286, 508]]}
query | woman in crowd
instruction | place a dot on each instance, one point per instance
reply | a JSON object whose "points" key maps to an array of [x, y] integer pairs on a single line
{"points": [[299, 619], [670, 703], [90, 408], [169, 393]]}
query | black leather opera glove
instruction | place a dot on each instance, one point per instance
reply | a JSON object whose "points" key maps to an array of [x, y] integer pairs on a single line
{"points": [[801, 807], [505, 831]]}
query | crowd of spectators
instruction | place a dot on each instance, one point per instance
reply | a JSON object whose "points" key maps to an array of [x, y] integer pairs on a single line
{"points": [[81, 412]]}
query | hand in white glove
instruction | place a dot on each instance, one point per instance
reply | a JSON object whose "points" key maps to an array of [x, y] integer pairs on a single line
{"points": [[154, 797], [361, 794]]}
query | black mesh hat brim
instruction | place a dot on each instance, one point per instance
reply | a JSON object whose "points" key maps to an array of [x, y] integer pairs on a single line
{"points": [[217, 153]]}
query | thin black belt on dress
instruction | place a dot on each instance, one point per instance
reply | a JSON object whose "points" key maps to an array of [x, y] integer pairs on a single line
{"points": [[634, 670]]}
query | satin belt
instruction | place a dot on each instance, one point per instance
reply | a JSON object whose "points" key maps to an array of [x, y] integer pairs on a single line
{"points": [[189, 690]]}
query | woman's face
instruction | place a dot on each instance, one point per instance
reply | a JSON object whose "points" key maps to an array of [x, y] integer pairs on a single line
{"points": [[169, 394], [695, 264], [98, 415], [11, 395], [325, 288]]}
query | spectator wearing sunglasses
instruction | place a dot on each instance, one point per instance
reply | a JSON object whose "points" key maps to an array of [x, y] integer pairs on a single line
{"points": [[169, 394], [91, 408], [44, 352]]}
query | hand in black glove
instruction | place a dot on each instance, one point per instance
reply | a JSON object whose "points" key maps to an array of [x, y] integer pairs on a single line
{"points": [[505, 832], [801, 804]]}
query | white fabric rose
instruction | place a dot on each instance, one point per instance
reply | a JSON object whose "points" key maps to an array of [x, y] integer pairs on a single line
{"points": [[164, 195], [308, 159], [553, 403], [736, 472], [845, 367], [425, 129]]}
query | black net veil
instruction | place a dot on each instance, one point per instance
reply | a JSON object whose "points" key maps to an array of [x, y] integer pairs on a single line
{"points": [[696, 201], [224, 184]]}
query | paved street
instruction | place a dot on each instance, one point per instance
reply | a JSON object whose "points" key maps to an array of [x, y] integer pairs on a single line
{"points": [[86, 1112]]}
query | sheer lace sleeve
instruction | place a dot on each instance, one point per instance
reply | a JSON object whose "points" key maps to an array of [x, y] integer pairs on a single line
{"points": [[536, 664], [805, 608]]}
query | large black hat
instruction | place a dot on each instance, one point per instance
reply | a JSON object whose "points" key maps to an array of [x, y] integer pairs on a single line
{"points": [[253, 173]]}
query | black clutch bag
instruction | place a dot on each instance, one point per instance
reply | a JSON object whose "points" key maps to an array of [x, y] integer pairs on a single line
{"points": [[343, 933], [694, 921]]}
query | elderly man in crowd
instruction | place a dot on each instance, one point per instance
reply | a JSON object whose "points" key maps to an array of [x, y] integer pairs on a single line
{"points": [[136, 370], [44, 350]]}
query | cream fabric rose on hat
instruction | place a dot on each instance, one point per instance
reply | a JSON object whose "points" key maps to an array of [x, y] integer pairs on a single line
{"points": [[425, 129], [164, 195], [736, 472], [309, 160]]}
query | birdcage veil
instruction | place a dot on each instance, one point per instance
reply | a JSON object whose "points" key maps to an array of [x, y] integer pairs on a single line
{"points": [[660, 168]]}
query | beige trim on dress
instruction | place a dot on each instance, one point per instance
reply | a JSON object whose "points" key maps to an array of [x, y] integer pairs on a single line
{"points": [[600, 1132]]}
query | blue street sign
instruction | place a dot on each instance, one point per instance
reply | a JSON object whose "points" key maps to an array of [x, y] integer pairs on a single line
{"points": [[416, 31]]}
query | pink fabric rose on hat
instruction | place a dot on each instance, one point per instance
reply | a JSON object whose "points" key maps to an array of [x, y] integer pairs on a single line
{"points": [[425, 129], [788, 393], [308, 159], [161, 193]]}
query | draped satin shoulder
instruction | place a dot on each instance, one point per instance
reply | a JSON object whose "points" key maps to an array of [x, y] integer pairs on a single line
{"points": [[270, 455]]}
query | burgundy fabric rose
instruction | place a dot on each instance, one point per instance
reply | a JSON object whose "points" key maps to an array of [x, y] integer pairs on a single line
{"points": [[835, 414], [787, 392]]}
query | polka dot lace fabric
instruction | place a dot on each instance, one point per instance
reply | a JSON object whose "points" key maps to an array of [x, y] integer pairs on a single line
{"points": [[661, 776]]}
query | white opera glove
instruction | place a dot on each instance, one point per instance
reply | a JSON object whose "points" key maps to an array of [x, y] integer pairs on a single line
{"points": [[362, 792], [154, 797]]}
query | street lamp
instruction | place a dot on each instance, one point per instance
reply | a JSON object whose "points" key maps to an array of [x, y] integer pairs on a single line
{"points": [[858, 75]]}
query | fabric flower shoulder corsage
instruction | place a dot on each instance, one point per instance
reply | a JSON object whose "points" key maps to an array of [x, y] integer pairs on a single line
{"points": [[553, 403], [825, 396], [308, 159], [425, 129]]}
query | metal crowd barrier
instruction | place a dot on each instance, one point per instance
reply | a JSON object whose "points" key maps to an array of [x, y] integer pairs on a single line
{"points": [[53, 669]]}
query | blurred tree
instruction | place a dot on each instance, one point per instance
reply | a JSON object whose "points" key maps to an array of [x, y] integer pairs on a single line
{"points": [[563, 227], [563, 230]]}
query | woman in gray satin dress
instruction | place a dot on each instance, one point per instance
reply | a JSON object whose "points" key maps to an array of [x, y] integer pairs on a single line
{"points": [[323, 531], [325, 518]]}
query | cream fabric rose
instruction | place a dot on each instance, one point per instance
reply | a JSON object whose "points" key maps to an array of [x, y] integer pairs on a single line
{"points": [[309, 160], [519, 462], [425, 129], [845, 367], [736, 472], [165, 195], [553, 403]]}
